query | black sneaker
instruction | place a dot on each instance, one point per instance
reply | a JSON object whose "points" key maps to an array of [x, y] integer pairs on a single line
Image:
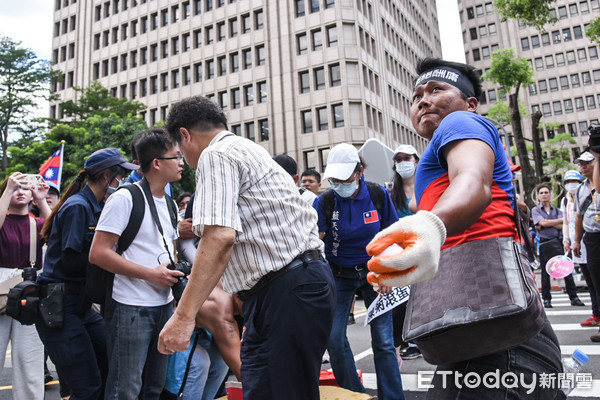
{"points": [[410, 353], [351, 320]]}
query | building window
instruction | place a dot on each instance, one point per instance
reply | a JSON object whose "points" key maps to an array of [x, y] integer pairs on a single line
{"points": [[556, 37], [302, 43], [557, 106], [223, 101], [539, 63], [198, 72], [476, 55], [579, 104], [314, 6], [473, 33], [144, 56], [249, 95], [575, 80], [591, 102], [246, 23], [187, 76], [221, 32], [153, 84], [492, 29], [259, 22], [564, 82], [560, 59], [546, 110], [319, 78], [571, 57], [568, 106], [210, 69], [535, 41], [581, 55], [549, 61], [210, 35], [317, 40], [233, 27], [250, 131], [164, 49], [304, 81], [237, 130], [197, 38], [577, 32], [338, 115], [247, 58], [525, 43], [307, 124], [164, 80], [567, 34], [262, 92], [153, 21], [470, 13], [222, 65], [585, 77], [185, 39], [234, 61], [553, 82], [261, 55], [335, 75], [332, 37], [596, 75], [175, 78], [143, 87], [153, 52], [532, 89], [175, 45], [593, 52], [236, 98], [264, 129], [322, 119], [545, 39], [300, 11]]}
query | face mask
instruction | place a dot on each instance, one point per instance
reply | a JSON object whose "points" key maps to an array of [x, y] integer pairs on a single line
{"points": [[405, 169], [344, 189], [182, 213], [110, 191], [571, 187]]}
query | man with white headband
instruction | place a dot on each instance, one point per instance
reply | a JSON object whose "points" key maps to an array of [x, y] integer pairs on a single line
{"points": [[464, 193]]}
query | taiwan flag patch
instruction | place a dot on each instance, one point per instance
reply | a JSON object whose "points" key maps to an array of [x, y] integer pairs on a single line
{"points": [[370, 217]]}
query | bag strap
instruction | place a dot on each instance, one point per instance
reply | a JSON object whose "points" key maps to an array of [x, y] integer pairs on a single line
{"points": [[586, 203], [32, 241], [148, 193], [135, 218]]}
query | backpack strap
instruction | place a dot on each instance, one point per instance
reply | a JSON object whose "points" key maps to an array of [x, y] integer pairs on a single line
{"points": [[586, 203], [135, 218], [377, 196], [173, 212], [328, 202]]}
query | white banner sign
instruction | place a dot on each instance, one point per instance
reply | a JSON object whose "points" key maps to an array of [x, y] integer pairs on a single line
{"points": [[386, 302]]}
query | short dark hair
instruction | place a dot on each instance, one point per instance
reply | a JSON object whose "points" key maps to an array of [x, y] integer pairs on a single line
{"points": [[543, 185], [152, 144], [311, 172], [182, 196], [287, 163], [199, 113], [468, 70]]}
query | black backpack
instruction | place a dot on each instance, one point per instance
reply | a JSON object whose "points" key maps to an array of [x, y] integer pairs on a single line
{"points": [[99, 282], [376, 191]]}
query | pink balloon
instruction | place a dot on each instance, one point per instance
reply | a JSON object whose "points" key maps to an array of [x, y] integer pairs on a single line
{"points": [[559, 266]]}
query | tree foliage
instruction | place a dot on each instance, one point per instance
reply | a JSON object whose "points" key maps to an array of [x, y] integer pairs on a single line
{"points": [[593, 30], [535, 12], [23, 79], [98, 120], [511, 72]]}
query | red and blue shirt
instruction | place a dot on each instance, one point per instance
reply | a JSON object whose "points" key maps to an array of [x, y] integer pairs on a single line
{"points": [[432, 180]]}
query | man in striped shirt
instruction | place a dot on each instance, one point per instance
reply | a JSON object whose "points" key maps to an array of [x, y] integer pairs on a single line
{"points": [[261, 238]]}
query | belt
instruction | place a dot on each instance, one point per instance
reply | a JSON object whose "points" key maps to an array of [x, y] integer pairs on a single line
{"points": [[301, 260], [70, 288], [339, 268]]}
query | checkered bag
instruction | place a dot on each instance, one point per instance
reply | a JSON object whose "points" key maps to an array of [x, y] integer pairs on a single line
{"points": [[482, 300]]}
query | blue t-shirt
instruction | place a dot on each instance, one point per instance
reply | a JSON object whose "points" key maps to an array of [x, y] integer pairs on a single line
{"points": [[73, 228], [432, 180], [354, 223]]}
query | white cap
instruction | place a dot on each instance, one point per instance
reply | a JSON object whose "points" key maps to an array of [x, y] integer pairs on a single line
{"points": [[585, 156], [406, 149], [341, 162]]}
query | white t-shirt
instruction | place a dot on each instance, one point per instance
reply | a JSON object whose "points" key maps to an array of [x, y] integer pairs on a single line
{"points": [[568, 208], [146, 249]]}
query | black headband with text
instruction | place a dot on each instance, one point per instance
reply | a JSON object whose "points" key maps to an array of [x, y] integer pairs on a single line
{"points": [[447, 75]]}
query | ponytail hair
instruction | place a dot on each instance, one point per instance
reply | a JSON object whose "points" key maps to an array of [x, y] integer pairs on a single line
{"points": [[73, 188]]}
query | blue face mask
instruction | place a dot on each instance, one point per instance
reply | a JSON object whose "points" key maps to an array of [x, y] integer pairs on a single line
{"points": [[344, 189], [110, 191]]}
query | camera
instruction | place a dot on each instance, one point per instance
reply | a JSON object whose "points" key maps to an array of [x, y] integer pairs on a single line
{"points": [[179, 287], [29, 274], [594, 142]]}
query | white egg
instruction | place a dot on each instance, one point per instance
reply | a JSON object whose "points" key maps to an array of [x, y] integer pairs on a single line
{"points": [[391, 250]]}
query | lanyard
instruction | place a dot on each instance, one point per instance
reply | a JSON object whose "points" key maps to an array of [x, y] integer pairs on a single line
{"points": [[148, 193]]}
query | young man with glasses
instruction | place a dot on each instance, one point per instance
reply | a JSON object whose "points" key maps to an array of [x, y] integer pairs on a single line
{"points": [[142, 299]]}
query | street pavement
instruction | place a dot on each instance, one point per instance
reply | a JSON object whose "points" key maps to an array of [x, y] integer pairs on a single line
{"points": [[565, 320]]}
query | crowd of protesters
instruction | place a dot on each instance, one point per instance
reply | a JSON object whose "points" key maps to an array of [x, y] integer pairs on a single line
{"points": [[267, 262]]}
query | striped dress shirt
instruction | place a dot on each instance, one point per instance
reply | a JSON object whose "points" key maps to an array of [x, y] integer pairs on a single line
{"points": [[239, 186]]}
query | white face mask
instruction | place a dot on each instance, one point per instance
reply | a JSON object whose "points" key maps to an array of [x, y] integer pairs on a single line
{"points": [[405, 169], [571, 187]]}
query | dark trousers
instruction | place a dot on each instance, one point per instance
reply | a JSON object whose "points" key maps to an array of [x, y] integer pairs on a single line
{"points": [[549, 249], [287, 324], [591, 287], [592, 245], [78, 349], [526, 362]]}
